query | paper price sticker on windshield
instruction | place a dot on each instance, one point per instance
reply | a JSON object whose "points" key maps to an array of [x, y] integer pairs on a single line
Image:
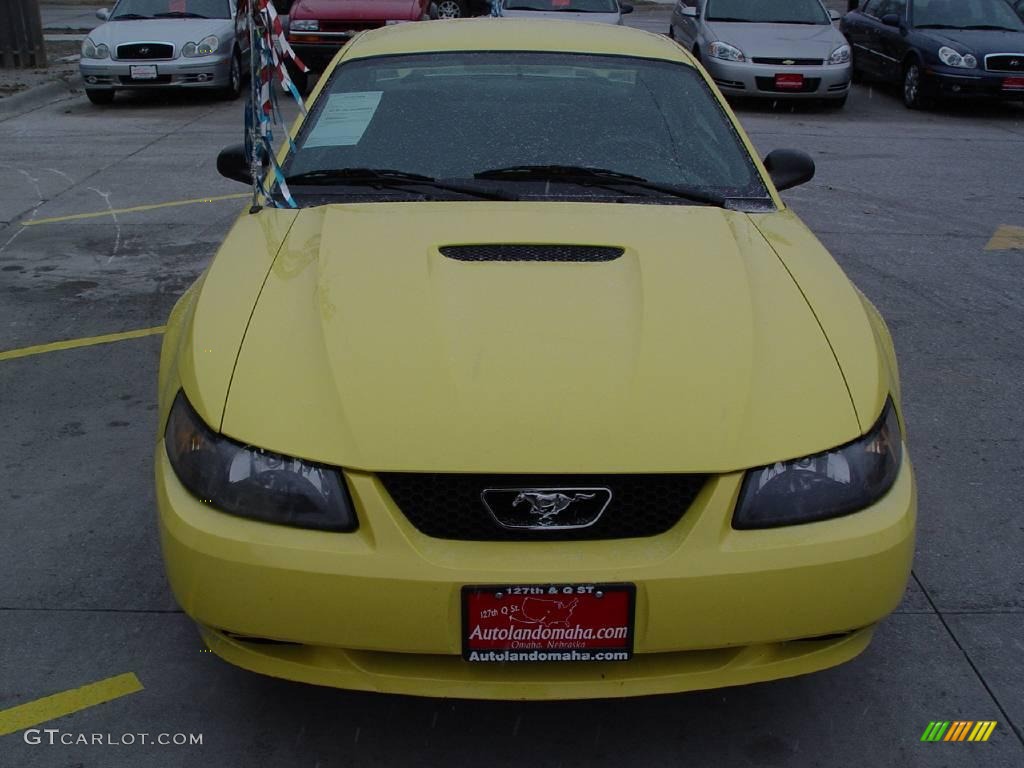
{"points": [[344, 119]]}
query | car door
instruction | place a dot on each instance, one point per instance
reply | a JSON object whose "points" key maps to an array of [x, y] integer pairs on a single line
{"points": [[871, 54], [684, 28], [893, 43]]}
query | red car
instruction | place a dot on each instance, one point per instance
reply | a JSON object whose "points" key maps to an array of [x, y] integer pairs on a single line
{"points": [[318, 29]]}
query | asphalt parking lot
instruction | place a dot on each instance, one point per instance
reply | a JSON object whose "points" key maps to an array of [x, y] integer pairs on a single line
{"points": [[107, 215]]}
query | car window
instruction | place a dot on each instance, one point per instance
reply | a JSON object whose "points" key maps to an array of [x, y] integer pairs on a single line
{"points": [[768, 11], [886, 7], [964, 14], [451, 115], [870, 8], [573, 6], [211, 9]]}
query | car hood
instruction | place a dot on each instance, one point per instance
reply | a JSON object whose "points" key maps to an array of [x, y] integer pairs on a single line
{"points": [[174, 31], [594, 18], [796, 41], [693, 351], [355, 10], [978, 41]]}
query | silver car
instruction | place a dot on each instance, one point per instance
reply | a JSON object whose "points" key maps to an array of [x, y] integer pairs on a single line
{"points": [[767, 48], [147, 44], [597, 11]]}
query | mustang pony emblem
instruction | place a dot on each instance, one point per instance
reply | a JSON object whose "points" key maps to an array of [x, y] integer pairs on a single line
{"points": [[547, 505]]}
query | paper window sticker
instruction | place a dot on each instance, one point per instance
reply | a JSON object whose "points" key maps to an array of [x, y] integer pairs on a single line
{"points": [[344, 119]]}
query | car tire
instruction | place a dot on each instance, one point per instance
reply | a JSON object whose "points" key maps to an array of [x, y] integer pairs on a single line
{"points": [[102, 98], [234, 87], [915, 95], [452, 9]]}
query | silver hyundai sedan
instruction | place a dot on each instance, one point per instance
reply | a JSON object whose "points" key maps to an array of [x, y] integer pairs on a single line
{"points": [[166, 44], [767, 48]]}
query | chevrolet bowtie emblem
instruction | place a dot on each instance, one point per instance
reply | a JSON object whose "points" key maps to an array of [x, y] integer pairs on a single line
{"points": [[788, 61]]}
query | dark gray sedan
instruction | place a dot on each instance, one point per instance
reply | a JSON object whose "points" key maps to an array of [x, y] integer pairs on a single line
{"points": [[146, 44], [767, 48]]}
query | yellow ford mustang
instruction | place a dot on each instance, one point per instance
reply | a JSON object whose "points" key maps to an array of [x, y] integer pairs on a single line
{"points": [[540, 392]]}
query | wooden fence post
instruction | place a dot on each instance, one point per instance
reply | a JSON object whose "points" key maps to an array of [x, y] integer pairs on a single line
{"points": [[21, 35]]}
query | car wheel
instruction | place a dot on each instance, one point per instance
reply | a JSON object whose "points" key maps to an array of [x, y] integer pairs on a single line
{"points": [[451, 9], [100, 97], [234, 87], [914, 96]]}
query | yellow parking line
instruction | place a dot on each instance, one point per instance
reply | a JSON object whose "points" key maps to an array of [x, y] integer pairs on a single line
{"points": [[135, 209], [1007, 238], [88, 341], [66, 703]]}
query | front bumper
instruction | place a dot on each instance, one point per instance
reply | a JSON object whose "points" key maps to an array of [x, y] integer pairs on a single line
{"points": [[112, 74], [824, 81], [379, 609], [950, 82]]}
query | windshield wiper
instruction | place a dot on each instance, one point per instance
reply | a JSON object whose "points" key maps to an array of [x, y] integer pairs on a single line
{"points": [[386, 177], [936, 26], [596, 177], [179, 15], [129, 16], [997, 27], [738, 21]]}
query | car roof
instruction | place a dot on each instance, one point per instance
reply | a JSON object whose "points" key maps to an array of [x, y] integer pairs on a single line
{"points": [[488, 34]]}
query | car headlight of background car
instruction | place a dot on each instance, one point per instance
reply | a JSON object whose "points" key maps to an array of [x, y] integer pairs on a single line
{"points": [[720, 50], [205, 47], [248, 481], [952, 58], [840, 55], [825, 485], [304, 25], [92, 51]]}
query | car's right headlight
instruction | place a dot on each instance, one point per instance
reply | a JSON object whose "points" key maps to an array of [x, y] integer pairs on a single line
{"points": [[92, 51], [304, 25], [205, 47], [251, 482], [720, 50], [952, 58], [825, 485]]}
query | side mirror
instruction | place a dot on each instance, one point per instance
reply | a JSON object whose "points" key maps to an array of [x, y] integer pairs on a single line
{"points": [[789, 168], [689, 10], [891, 19], [834, 15], [103, 14], [233, 163], [625, 8]]}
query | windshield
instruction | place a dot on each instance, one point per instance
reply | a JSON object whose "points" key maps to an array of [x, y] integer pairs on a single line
{"points": [[574, 6], [965, 14], [454, 115], [152, 9], [767, 11]]}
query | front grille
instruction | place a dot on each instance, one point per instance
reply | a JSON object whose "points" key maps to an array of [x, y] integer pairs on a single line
{"points": [[349, 26], [1005, 62], [790, 62], [144, 51], [516, 252], [448, 506], [768, 84]]}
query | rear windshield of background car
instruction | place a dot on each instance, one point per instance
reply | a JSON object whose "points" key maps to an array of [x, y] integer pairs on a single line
{"points": [[157, 9], [767, 11], [451, 115]]}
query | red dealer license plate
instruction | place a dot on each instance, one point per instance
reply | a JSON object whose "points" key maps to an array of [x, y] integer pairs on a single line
{"points": [[789, 82], [548, 622], [1013, 84]]}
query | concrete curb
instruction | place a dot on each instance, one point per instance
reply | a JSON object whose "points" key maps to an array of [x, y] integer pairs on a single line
{"points": [[33, 98]]}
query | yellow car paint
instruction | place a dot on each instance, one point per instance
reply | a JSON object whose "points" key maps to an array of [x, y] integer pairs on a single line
{"points": [[339, 334]]}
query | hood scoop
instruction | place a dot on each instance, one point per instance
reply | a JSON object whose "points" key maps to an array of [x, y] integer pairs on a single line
{"points": [[529, 252]]}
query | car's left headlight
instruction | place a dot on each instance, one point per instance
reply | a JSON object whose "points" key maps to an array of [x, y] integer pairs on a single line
{"points": [[251, 482], [205, 47], [952, 58], [840, 55], [825, 485], [92, 51]]}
